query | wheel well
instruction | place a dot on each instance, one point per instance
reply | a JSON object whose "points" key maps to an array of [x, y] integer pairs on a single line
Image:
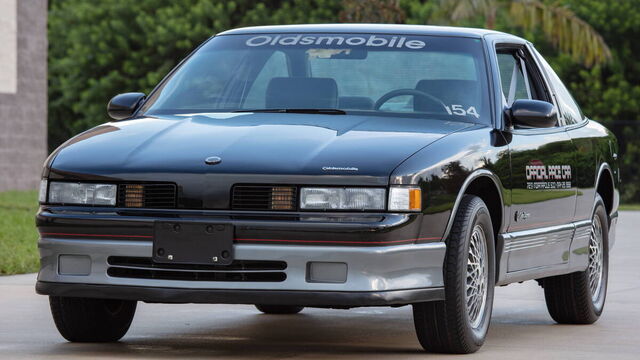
{"points": [[605, 190], [484, 188]]}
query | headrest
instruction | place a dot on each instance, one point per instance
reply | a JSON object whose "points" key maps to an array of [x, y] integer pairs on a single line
{"points": [[302, 93], [355, 103], [451, 92]]}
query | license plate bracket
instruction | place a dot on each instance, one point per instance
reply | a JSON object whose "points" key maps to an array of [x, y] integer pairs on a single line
{"points": [[196, 243]]}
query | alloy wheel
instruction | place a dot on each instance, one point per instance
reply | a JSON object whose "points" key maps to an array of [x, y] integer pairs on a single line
{"points": [[477, 277], [595, 268]]}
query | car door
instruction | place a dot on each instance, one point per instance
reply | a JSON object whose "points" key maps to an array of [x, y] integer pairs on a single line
{"points": [[542, 160], [586, 139]]}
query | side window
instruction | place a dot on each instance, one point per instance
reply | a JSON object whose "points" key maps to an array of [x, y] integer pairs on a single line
{"points": [[520, 77], [514, 85], [276, 66], [569, 108]]}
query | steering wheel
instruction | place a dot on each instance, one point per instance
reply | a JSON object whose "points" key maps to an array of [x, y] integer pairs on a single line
{"points": [[400, 92]]}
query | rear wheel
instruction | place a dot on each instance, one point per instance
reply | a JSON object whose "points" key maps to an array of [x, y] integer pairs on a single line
{"points": [[279, 309], [92, 320], [578, 298], [459, 324]]}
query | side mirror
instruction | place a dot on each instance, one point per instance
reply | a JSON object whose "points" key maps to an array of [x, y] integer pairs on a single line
{"points": [[124, 105], [533, 113]]}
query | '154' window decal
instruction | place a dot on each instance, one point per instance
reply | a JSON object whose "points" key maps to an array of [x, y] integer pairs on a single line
{"points": [[460, 111]]}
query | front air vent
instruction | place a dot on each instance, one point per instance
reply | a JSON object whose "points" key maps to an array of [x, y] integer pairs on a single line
{"points": [[264, 197], [156, 196], [239, 270]]}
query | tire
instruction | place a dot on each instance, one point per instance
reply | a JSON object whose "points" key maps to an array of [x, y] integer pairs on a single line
{"points": [[450, 326], [92, 320], [279, 309], [570, 298]]}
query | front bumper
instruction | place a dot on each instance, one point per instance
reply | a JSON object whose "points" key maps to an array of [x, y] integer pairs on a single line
{"points": [[375, 275], [81, 266]]}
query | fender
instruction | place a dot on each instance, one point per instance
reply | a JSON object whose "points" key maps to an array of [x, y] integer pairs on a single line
{"points": [[474, 175], [604, 166], [613, 215]]}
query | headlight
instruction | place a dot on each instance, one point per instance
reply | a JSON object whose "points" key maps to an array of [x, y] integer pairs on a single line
{"points": [[405, 198], [82, 194], [342, 199]]}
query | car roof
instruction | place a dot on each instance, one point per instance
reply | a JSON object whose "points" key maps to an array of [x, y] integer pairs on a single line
{"points": [[366, 29]]}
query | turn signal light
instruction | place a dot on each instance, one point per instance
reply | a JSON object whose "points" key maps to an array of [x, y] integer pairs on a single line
{"points": [[405, 198], [283, 198], [133, 195], [415, 199]]}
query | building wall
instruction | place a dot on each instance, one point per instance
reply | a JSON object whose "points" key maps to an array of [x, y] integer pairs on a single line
{"points": [[23, 92]]}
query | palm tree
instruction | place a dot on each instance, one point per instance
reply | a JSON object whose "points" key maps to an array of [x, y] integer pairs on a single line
{"points": [[372, 11], [564, 29]]}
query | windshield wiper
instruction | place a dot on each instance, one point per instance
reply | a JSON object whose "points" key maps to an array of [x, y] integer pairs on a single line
{"points": [[297, 111]]}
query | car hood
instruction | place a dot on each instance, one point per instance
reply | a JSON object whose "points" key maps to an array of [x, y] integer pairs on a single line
{"points": [[249, 143]]}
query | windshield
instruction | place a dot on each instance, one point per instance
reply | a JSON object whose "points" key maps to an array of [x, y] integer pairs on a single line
{"points": [[401, 75]]}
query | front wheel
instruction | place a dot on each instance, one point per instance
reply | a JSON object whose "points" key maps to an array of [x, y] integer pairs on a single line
{"points": [[92, 320], [578, 298], [459, 324]]}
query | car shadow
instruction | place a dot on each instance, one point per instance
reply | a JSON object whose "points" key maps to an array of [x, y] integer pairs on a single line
{"points": [[315, 333]]}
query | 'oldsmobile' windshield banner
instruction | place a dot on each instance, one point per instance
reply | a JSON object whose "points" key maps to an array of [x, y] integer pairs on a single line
{"points": [[348, 40]]}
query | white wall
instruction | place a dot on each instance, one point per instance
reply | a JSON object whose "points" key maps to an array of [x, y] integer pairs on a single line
{"points": [[8, 47]]}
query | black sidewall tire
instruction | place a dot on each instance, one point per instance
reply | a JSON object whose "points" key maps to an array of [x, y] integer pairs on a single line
{"points": [[444, 326], [92, 320], [481, 217], [568, 297]]}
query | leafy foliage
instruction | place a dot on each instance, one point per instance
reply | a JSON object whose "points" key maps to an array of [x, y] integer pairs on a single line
{"points": [[372, 11], [99, 49], [565, 30]]}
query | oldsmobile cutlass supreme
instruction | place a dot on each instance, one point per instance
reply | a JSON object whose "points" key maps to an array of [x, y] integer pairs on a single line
{"points": [[335, 166]]}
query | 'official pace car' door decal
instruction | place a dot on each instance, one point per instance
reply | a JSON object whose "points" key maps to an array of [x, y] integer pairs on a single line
{"points": [[540, 176]]}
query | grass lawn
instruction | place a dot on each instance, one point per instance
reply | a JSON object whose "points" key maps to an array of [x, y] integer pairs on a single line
{"points": [[18, 235], [630, 207]]}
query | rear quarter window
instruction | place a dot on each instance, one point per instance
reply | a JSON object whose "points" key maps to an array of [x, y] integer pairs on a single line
{"points": [[568, 107]]}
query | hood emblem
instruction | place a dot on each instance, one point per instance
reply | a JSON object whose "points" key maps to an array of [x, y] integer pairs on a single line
{"points": [[213, 160]]}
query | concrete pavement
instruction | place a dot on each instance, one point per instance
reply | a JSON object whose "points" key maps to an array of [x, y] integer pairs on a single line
{"points": [[520, 328]]}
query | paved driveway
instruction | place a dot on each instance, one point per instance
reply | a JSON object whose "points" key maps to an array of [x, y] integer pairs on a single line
{"points": [[520, 327]]}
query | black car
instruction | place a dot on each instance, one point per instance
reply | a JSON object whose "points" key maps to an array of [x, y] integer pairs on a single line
{"points": [[335, 166]]}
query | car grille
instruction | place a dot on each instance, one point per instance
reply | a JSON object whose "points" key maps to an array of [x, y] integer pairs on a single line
{"points": [[159, 196], [261, 197], [239, 270]]}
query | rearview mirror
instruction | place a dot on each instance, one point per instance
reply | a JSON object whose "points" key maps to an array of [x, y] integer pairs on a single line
{"points": [[124, 105], [533, 114]]}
